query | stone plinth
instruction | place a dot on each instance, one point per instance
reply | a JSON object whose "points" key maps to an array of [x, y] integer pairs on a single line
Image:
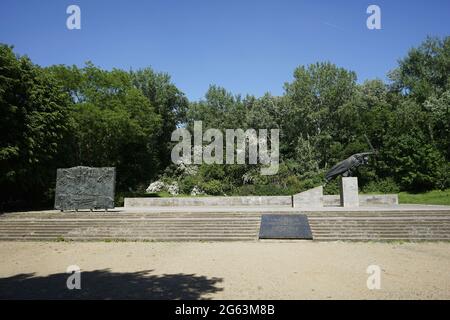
{"points": [[312, 198], [349, 192]]}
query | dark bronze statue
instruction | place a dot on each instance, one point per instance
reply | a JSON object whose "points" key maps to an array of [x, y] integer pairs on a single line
{"points": [[346, 167]]}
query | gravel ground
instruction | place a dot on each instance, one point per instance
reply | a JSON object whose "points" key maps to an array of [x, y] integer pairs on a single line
{"points": [[236, 270]]}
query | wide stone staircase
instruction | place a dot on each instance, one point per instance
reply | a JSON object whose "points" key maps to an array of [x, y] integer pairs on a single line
{"points": [[402, 225], [112, 226], [381, 226]]}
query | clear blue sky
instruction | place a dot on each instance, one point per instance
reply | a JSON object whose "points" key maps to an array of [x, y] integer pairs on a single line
{"points": [[246, 46]]}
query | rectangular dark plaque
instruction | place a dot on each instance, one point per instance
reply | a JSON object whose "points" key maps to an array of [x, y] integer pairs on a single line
{"points": [[85, 188], [286, 226]]}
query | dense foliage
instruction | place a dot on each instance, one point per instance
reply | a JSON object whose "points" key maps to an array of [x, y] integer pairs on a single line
{"points": [[64, 116], [35, 128]]}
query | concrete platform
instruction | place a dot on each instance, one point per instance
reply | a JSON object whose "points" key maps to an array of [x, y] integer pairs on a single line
{"points": [[257, 209], [274, 209], [310, 198]]}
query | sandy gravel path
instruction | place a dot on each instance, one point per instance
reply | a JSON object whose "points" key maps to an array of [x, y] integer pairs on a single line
{"points": [[251, 270]]}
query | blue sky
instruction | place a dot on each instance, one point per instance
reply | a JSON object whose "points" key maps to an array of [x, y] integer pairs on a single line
{"points": [[246, 46]]}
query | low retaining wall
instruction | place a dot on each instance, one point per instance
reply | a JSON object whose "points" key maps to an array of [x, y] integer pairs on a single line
{"points": [[328, 201], [364, 200], [209, 201], [310, 198]]}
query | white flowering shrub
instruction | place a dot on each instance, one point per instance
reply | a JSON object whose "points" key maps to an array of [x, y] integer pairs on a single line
{"points": [[248, 178], [186, 169], [197, 191], [173, 189], [155, 187]]}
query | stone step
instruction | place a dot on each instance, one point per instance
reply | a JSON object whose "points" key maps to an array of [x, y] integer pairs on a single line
{"points": [[133, 223], [128, 233], [396, 213], [126, 218], [381, 218], [64, 228], [367, 231], [378, 220], [391, 226], [130, 227], [216, 226], [352, 232], [380, 232], [381, 236], [137, 234], [132, 216], [218, 213], [366, 239], [316, 228], [381, 228], [199, 228], [381, 221], [113, 238], [150, 229]]}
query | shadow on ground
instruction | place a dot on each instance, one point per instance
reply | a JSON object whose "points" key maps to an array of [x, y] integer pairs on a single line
{"points": [[104, 284]]}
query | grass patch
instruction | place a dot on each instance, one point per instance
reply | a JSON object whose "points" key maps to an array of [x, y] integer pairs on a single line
{"points": [[61, 239], [114, 240], [440, 197]]}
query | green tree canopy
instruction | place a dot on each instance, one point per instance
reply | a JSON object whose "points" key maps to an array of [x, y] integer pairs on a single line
{"points": [[34, 129]]}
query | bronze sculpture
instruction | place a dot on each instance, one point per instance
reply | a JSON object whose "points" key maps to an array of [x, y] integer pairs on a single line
{"points": [[346, 167]]}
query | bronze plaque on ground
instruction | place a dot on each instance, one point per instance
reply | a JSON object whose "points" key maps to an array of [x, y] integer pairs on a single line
{"points": [[85, 188], [285, 226]]}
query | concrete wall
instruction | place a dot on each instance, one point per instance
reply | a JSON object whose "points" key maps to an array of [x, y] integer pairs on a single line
{"points": [[364, 200], [209, 201], [377, 199], [310, 198], [328, 201]]}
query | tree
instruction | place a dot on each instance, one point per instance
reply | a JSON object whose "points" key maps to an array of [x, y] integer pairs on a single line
{"points": [[168, 102], [314, 98], [115, 123], [425, 70], [438, 124], [414, 164], [34, 131]]}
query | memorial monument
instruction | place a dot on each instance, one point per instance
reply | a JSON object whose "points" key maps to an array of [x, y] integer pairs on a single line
{"points": [[349, 185], [85, 188], [347, 166]]}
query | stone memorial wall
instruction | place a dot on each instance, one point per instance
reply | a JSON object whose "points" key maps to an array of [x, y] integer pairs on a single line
{"points": [[85, 188]]}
